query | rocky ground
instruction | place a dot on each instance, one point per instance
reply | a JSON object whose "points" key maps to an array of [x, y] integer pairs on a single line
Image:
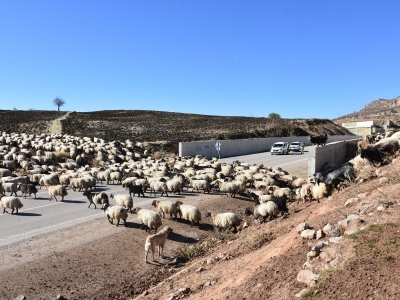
{"points": [[101, 261]]}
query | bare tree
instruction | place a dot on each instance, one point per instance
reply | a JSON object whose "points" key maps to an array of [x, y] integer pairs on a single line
{"points": [[58, 102]]}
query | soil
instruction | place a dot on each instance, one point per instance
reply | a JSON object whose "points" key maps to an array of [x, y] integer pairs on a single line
{"points": [[100, 261]]}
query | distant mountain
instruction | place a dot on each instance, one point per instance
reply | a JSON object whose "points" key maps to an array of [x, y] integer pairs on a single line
{"points": [[379, 109]]}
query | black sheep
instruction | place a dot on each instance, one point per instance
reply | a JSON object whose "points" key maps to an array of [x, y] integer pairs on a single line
{"points": [[332, 178], [373, 154]]}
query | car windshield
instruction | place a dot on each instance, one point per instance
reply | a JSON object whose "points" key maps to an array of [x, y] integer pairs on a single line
{"points": [[295, 143], [278, 145]]}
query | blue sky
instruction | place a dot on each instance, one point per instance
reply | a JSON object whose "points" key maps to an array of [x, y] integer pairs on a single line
{"points": [[300, 59]]}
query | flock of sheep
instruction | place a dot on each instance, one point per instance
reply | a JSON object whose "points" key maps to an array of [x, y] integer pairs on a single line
{"points": [[61, 162]]}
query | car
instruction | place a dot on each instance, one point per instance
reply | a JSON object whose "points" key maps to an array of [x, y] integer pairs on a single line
{"points": [[295, 146], [280, 148]]}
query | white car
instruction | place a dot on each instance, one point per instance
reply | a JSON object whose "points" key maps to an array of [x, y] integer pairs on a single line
{"points": [[280, 148], [295, 146]]}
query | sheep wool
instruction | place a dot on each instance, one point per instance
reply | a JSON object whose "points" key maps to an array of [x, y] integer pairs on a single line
{"points": [[10, 202], [116, 212], [57, 190], [166, 207], [225, 220], [189, 212], [149, 219]]}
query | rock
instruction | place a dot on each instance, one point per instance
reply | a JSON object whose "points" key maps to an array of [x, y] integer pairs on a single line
{"points": [[328, 254], [335, 240], [302, 226], [60, 297], [343, 223], [381, 208], [318, 247], [308, 234], [350, 201], [145, 293], [352, 217], [171, 297], [22, 297], [327, 228], [200, 270], [245, 224], [362, 196], [383, 180], [319, 234], [307, 277], [184, 291], [312, 254]]}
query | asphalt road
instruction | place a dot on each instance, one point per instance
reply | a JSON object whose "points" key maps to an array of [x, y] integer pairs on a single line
{"points": [[39, 216]]}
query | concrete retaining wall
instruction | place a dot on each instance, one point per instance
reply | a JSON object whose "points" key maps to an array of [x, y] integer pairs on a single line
{"points": [[333, 153], [245, 146]]}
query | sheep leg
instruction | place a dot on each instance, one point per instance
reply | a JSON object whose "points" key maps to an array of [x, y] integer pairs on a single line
{"points": [[117, 221], [4, 210], [12, 212], [124, 222], [110, 219]]}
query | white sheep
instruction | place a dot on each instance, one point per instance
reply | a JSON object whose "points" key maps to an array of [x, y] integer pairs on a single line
{"points": [[189, 212], [10, 187], [156, 240], [10, 202], [158, 186], [166, 207], [57, 190], [267, 209], [224, 220], [310, 191], [175, 185], [123, 200], [200, 184], [232, 187], [97, 198], [116, 212], [149, 219], [116, 176]]}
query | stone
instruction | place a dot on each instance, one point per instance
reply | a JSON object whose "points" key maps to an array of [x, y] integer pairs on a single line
{"points": [[327, 228], [22, 297], [201, 269], [302, 226], [60, 297], [350, 201], [307, 277], [343, 223], [145, 293], [312, 254], [308, 234], [335, 240], [383, 180], [319, 234], [352, 217], [319, 246], [381, 208], [184, 291]]}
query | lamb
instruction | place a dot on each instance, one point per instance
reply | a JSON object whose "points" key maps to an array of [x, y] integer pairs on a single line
{"points": [[156, 240], [166, 207], [27, 189], [268, 209], [10, 202], [189, 212], [123, 200], [56, 190], [10, 187], [116, 212], [224, 220], [99, 198], [149, 219]]}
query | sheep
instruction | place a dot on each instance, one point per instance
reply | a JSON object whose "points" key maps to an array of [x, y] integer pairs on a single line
{"points": [[80, 183], [175, 185], [200, 184], [10, 187], [166, 207], [123, 200], [149, 219], [56, 190], [232, 187], [99, 198], [116, 212], [136, 189], [158, 186], [224, 220], [310, 191], [27, 189], [10, 202], [268, 209], [156, 240], [189, 212], [50, 179], [334, 177]]}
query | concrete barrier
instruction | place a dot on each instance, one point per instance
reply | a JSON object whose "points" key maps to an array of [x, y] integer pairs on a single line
{"points": [[334, 153], [231, 148]]}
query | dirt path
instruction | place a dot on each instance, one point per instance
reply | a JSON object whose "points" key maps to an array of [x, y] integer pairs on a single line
{"points": [[55, 126]]}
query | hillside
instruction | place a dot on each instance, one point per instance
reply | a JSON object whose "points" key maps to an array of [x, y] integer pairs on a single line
{"points": [[153, 126], [379, 109]]}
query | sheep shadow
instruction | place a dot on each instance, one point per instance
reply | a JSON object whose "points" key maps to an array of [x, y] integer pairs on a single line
{"points": [[133, 225], [73, 201], [99, 189], [176, 237], [37, 198], [28, 214]]}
